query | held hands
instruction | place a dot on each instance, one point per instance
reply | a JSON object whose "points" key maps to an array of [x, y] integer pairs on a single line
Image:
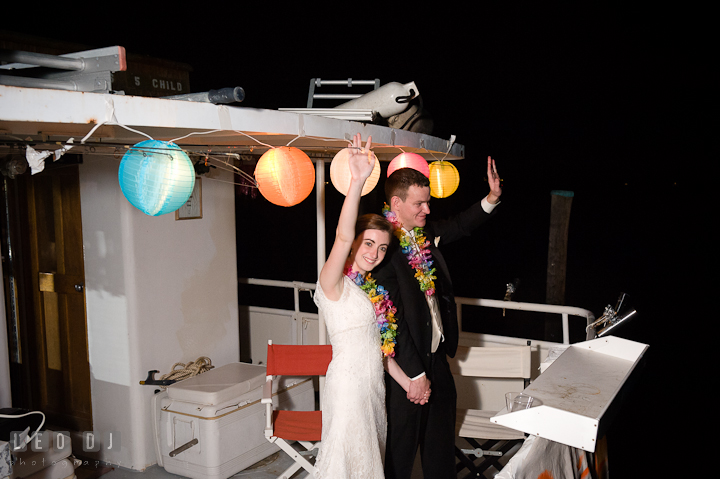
{"points": [[419, 390], [360, 160], [494, 182]]}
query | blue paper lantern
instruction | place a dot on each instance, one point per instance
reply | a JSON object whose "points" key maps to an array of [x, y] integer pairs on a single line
{"points": [[156, 177]]}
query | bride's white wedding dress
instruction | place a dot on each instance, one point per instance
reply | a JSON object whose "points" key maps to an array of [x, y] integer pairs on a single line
{"points": [[353, 403]]}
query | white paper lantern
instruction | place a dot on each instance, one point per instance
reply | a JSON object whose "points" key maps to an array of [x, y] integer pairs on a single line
{"points": [[340, 173]]}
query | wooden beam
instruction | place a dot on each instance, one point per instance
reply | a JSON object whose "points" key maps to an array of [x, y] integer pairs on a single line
{"points": [[557, 246], [557, 259]]}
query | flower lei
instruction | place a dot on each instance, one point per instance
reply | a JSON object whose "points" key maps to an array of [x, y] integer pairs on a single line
{"points": [[420, 261], [384, 309]]}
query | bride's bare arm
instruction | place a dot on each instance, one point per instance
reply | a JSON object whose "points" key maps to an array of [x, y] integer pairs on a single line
{"points": [[361, 164]]}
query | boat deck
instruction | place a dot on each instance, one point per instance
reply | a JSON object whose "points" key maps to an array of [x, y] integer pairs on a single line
{"points": [[268, 468], [271, 467]]}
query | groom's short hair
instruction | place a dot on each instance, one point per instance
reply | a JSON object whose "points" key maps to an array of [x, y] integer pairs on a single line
{"points": [[400, 181]]}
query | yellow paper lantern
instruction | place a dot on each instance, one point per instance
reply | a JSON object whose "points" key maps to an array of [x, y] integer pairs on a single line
{"points": [[409, 160], [285, 176], [444, 179], [340, 173]]}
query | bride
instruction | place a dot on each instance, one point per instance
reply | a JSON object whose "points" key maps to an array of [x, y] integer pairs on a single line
{"points": [[361, 332]]}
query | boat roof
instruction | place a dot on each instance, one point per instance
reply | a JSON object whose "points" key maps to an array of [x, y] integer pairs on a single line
{"points": [[46, 118]]}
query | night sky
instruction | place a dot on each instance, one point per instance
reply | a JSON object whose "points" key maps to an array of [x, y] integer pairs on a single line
{"points": [[584, 100]]}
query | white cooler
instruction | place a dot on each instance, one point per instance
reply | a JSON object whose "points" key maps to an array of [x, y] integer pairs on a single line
{"points": [[211, 426]]}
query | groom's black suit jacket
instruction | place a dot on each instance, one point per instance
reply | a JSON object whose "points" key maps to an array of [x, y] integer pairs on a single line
{"points": [[432, 425], [412, 350]]}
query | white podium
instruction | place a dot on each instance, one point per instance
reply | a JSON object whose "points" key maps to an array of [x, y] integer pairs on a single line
{"points": [[578, 392]]}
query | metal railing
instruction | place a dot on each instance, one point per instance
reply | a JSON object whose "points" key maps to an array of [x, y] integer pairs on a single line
{"points": [[296, 286], [317, 83], [564, 311]]}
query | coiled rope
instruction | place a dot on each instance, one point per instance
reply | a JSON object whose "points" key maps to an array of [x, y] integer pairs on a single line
{"points": [[193, 368]]}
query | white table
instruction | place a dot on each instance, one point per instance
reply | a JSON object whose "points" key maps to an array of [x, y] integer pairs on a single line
{"points": [[576, 391]]}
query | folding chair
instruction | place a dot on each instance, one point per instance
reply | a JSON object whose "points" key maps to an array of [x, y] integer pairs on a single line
{"points": [[503, 369], [282, 426]]}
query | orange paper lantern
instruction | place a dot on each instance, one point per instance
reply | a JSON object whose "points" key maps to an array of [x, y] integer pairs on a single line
{"points": [[285, 176], [409, 160], [444, 179], [340, 173]]}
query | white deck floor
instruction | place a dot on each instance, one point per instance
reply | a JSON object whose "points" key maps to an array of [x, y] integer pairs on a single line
{"points": [[269, 468]]}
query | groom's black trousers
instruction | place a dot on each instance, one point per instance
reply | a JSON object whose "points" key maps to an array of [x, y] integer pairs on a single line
{"points": [[430, 427]]}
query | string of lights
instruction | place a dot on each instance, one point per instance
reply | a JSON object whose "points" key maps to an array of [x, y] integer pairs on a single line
{"points": [[285, 175]]}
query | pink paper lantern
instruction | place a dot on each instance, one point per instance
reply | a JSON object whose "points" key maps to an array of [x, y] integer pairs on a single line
{"points": [[409, 160]]}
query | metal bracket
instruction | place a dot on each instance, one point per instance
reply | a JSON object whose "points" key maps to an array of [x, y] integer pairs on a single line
{"points": [[610, 318], [310, 452], [89, 70], [480, 453], [151, 381]]}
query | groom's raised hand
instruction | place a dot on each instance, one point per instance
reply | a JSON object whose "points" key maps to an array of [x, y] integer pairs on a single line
{"points": [[494, 181]]}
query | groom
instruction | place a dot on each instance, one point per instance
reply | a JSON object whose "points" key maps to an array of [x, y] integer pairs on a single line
{"points": [[427, 327]]}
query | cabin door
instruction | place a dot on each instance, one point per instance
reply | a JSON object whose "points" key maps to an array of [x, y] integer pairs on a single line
{"points": [[54, 336]]}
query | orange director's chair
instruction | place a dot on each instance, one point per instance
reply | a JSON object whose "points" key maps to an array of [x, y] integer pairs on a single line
{"points": [[283, 426]]}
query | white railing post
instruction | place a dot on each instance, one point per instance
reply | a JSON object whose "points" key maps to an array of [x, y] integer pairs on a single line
{"points": [[320, 227]]}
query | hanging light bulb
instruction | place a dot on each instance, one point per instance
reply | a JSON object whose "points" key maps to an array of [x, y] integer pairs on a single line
{"points": [[156, 177], [409, 160], [340, 173], [444, 179], [285, 175]]}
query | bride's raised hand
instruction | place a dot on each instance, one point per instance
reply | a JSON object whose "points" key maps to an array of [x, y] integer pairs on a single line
{"points": [[361, 160]]}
